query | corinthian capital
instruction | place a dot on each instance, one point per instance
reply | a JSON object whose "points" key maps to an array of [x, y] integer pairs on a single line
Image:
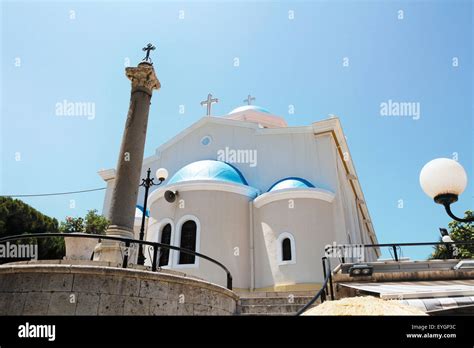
{"points": [[143, 76]]}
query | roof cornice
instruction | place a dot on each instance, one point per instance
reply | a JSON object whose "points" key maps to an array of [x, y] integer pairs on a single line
{"points": [[204, 185], [294, 193], [333, 128], [107, 174]]}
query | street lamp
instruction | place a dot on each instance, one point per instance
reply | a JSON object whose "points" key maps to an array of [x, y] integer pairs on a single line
{"points": [[162, 175], [444, 179], [446, 238]]}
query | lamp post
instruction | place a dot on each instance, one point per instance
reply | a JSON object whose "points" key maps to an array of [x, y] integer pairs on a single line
{"points": [[446, 238], [443, 180], [162, 175]]}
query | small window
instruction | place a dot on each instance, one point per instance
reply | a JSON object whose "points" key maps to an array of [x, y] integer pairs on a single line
{"points": [[188, 241], [206, 140], [165, 239], [286, 249]]}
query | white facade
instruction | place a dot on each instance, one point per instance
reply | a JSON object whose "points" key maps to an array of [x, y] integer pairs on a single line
{"points": [[229, 174]]}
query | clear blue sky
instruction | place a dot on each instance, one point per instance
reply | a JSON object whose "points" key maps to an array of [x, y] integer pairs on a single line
{"points": [[282, 62]]}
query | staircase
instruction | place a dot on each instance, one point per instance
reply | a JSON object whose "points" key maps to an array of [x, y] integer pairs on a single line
{"points": [[273, 303]]}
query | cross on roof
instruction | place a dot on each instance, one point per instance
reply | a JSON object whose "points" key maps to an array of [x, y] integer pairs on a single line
{"points": [[147, 49], [208, 102], [249, 100]]}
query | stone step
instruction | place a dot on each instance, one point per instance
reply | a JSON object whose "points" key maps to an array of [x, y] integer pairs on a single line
{"points": [[251, 294], [300, 300], [270, 309], [268, 314]]}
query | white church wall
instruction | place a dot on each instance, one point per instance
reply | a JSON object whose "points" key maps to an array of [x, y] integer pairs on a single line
{"points": [[351, 221], [310, 223], [293, 155], [223, 218], [346, 229], [347, 223]]}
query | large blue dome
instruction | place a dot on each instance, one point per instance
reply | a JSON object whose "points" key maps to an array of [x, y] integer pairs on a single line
{"points": [[288, 183], [208, 170]]}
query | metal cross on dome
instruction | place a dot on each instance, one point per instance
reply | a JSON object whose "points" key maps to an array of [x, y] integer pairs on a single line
{"points": [[249, 100], [208, 102], [147, 49]]}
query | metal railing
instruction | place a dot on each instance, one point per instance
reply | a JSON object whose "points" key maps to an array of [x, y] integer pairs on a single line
{"points": [[394, 246], [327, 272], [324, 288], [128, 241]]}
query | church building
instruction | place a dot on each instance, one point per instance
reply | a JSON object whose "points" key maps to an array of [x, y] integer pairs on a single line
{"points": [[260, 197]]}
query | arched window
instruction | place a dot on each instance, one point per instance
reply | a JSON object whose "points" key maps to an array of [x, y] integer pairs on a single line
{"points": [[165, 239], [188, 241], [286, 249]]}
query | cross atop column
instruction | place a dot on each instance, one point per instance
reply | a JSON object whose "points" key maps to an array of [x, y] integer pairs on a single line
{"points": [[249, 100], [147, 49], [208, 102]]}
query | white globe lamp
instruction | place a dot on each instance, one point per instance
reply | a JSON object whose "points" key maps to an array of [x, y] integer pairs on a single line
{"points": [[162, 174], [443, 180]]}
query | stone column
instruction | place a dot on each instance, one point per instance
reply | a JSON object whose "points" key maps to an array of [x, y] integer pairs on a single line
{"points": [[124, 197]]}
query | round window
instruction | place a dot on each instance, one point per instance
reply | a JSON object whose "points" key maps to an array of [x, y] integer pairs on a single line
{"points": [[206, 140]]}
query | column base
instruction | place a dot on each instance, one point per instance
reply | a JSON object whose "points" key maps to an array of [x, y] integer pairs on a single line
{"points": [[114, 251]]}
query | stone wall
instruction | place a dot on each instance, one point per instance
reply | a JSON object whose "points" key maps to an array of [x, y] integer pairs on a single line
{"points": [[54, 289]]}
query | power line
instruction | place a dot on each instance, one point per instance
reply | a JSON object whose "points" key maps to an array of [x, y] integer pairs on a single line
{"points": [[56, 193]]}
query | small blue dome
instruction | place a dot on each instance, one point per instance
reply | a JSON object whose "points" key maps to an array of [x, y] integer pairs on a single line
{"points": [[292, 182], [139, 211], [249, 107], [208, 170]]}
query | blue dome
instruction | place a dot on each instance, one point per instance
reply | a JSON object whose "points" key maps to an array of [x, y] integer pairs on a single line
{"points": [[290, 183], [208, 170], [139, 211], [249, 107]]}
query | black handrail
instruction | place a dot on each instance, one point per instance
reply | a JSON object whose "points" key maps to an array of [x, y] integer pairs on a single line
{"points": [[328, 273], [127, 242], [415, 244], [322, 292], [394, 246]]}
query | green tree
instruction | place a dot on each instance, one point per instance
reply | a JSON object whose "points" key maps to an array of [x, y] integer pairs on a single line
{"points": [[92, 223], [72, 224], [95, 223], [459, 232], [17, 217]]}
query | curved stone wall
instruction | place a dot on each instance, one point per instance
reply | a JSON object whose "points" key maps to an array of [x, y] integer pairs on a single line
{"points": [[59, 289]]}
